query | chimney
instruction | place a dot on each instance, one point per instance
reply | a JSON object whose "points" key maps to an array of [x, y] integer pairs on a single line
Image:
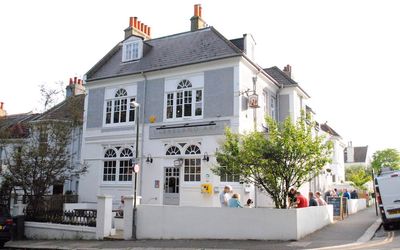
{"points": [[75, 87], [288, 70], [3, 113], [196, 22], [350, 152], [137, 28]]}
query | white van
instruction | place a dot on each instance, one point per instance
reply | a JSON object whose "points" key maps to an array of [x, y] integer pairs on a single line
{"points": [[387, 187]]}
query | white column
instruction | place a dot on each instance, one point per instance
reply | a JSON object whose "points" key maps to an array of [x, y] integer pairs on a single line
{"points": [[128, 216], [104, 216]]}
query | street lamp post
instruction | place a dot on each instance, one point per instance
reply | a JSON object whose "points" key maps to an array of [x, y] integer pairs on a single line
{"points": [[136, 106]]}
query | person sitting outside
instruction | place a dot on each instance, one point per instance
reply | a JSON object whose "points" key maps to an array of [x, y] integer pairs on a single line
{"points": [[346, 194], [312, 202], [319, 199], [354, 194], [224, 196], [249, 203], [292, 197], [301, 201], [234, 201]]}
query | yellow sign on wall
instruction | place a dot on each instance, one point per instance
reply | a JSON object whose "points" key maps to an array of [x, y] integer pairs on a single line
{"points": [[206, 188]]}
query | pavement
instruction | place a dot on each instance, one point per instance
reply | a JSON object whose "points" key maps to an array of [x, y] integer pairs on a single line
{"points": [[356, 229]]}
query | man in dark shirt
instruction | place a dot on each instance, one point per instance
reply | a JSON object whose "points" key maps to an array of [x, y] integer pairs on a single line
{"points": [[312, 201], [354, 194]]}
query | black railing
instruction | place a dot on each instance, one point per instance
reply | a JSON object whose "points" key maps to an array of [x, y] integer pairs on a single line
{"points": [[78, 217]]}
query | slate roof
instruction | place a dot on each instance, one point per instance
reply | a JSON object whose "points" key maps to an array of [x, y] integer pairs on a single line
{"points": [[280, 76], [71, 109], [167, 52], [325, 127], [15, 124], [360, 154]]}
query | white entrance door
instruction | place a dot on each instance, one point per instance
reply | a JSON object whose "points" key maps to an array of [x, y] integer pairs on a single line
{"points": [[171, 186]]}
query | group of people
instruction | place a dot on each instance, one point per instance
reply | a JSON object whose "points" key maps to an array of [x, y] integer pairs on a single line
{"points": [[228, 198], [297, 200], [341, 193]]}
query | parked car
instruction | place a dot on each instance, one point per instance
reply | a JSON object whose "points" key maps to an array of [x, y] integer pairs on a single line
{"points": [[387, 186], [6, 223]]}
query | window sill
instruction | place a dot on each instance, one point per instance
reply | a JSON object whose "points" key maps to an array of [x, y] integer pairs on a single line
{"points": [[116, 184]]}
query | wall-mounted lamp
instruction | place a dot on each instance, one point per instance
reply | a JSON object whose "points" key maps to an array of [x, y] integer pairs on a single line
{"points": [[178, 162], [206, 157], [149, 159]]}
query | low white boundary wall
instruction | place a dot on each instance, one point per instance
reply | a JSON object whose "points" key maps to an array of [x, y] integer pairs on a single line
{"points": [[355, 205], [173, 222], [50, 231]]}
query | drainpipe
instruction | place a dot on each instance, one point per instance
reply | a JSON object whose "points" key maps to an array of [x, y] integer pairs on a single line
{"points": [[142, 137]]}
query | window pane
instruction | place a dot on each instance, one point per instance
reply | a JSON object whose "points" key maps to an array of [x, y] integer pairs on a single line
{"points": [[188, 103], [179, 102], [131, 111], [198, 177], [170, 106], [199, 96], [191, 177], [108, 112]]}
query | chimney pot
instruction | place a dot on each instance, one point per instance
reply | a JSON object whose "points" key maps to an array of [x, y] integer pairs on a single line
{"points": [[199, 10], [79, 81], [196, 10], [131, 22], [141, 27], [135, 22], [145, 29], [75, 79], [1, 105], [70, 81], [138, 24], [148, 31]]}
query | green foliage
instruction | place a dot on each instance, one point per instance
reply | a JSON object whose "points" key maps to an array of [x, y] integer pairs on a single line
{"points": [[389, 157], [288, 155], [41, 160], [359, 175]]}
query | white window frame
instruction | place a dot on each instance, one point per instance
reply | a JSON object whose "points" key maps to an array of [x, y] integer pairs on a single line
{"points": [[131, 50], [118, 160], [272, 106], [193, 90], [111, 109], [190, 157]]}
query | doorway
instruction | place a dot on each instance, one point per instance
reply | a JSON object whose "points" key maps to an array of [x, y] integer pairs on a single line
{"points": [[171, 186]]}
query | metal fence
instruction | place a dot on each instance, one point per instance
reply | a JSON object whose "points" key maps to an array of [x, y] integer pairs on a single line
{"points": [[78, 217]]}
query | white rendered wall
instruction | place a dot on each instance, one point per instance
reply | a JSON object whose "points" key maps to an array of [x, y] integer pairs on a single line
{"points": [[49, 231], [169, 222], [355, 205]]}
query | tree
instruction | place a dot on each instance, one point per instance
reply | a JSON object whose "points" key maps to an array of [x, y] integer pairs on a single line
{"points": [[51, 95], [389, 157], [288, 155], [42, 160], [359, 175]]}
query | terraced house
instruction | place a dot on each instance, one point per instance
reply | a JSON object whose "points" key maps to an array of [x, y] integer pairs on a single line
{"points": [[190, 86]]}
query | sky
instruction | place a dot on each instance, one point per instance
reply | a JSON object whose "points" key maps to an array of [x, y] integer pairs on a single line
{"points": [[344, 54]]}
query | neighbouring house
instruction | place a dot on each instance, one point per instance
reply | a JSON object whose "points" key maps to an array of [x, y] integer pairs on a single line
{"points": [[14, 130], [189, 87], [356, 156], [336, 168]]}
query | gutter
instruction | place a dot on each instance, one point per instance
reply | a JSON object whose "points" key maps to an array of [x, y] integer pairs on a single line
{"points": [[142, 142]]}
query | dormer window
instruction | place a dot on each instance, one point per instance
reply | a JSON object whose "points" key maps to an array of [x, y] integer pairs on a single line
{"points": [[132, 49]]}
